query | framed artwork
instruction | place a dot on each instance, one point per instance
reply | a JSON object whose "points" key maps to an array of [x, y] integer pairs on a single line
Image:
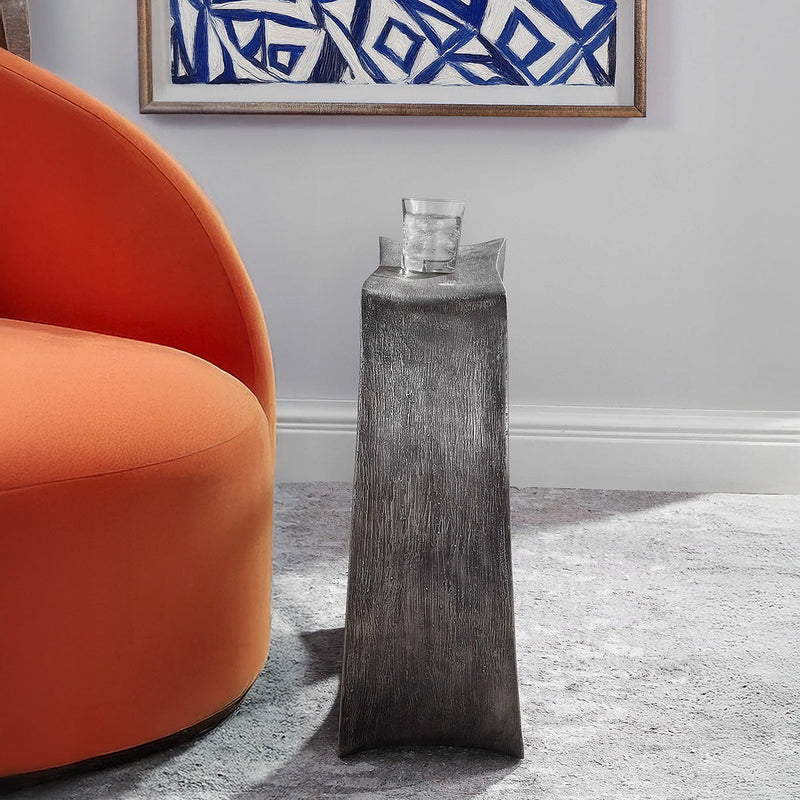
{"points": [[442, 57]]}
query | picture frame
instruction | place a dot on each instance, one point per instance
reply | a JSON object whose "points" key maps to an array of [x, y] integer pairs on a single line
{"points": [[552, 58]]}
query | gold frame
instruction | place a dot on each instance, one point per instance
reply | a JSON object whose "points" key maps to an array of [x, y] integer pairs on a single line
{"points": [[147, 105]]}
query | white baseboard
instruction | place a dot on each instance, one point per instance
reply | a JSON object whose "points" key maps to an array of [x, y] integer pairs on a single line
{"points": [[594, 448]]}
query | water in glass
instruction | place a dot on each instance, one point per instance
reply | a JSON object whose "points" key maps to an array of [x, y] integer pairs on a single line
{"points": [[430, 242]]}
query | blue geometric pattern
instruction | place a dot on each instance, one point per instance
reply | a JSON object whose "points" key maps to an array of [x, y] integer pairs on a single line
{"points": [[511, 32], [442, 42], [409, 44], [284, 57]]}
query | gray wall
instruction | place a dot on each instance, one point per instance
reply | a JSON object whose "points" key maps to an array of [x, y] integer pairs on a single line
{"points": [[651, 263]]}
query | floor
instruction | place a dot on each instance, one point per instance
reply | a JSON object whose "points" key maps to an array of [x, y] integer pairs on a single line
{"points": [[658, 643]]}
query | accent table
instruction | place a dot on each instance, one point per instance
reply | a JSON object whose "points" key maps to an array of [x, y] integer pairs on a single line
{"points": [[429, 639]]}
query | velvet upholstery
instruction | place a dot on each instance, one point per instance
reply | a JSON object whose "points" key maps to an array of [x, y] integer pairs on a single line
{"points": [[137, 431], [102, 230]]}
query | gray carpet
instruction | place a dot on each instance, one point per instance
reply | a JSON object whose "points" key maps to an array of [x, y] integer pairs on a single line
{"points": [[658, 642]]}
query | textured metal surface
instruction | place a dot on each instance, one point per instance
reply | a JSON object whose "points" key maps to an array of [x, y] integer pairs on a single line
{"points": [[15, 29], [429, 643]]}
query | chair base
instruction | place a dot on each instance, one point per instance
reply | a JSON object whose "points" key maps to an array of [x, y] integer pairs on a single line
{"points": [[12, 783]]}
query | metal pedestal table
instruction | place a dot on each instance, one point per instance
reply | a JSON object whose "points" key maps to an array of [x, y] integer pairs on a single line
{"points": [[429, 639]]}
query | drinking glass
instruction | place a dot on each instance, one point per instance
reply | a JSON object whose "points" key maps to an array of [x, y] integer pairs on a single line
{"points": [[431, 231]]}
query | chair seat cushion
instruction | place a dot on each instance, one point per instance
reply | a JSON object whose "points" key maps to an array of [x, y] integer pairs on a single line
{"points": [[76, 404], [135, 508]]}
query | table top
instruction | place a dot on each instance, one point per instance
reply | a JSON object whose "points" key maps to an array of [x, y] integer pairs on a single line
{"points": [[478, 275]]}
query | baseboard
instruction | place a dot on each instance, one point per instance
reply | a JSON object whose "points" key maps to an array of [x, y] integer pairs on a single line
{"points": [[593, 448]]}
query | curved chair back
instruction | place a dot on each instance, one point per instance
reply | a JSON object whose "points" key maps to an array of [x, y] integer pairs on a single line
{"points": [[101, 230]]}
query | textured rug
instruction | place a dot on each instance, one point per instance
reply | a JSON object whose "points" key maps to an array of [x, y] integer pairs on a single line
{"points": [[658, 641]]}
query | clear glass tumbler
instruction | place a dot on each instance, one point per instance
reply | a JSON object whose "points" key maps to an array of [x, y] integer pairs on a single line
{"points": [[431, 231]]}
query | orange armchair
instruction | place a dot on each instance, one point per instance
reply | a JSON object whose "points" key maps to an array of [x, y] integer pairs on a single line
{"points": [[137, 441]]}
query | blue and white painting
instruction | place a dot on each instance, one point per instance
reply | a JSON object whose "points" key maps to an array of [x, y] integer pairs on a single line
{"points": [[437, 42]]}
